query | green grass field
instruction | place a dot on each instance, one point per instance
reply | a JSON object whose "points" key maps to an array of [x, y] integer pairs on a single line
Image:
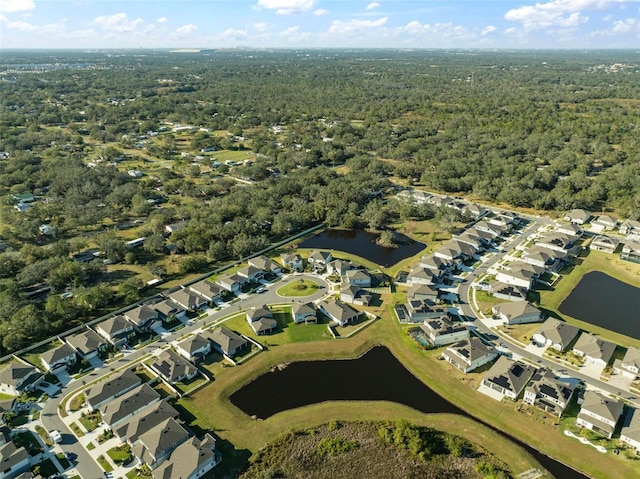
{"points": [[297, 288]]}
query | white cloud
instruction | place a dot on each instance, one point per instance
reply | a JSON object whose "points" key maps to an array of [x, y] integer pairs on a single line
{"points": [[557, 13], [372, 5], [261, 26], [488, 29], [340, 27], [10, 6], [20, 26], [186, 29], [23, 26], [232, 34], [287, 7], [321, 11], [162, 20], [626, 26], [117, 23]]}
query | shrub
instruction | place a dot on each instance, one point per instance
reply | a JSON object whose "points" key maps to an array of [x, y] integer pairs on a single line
{"points": [[334, 446]]}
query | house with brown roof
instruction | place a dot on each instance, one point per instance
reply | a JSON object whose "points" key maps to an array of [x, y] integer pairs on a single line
{"points": [[556, 334], [506, 378], [261, 320], [599, 413], [155, 445], [117, 330], [303, 313], [594, 350], [469, 354], [517, 312], [338, 312], [225, 341], [87, 344], [173, 368], [548, 393]]}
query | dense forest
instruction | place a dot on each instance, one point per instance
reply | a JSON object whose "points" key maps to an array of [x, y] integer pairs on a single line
{"points": [[318, 135]]}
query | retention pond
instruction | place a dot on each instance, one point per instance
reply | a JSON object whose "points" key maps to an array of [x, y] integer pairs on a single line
{"points": [[363, 243], [375, 376], [604, 301]]}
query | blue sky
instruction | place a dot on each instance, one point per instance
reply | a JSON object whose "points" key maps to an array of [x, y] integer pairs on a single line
{"points": [[319, 23]]}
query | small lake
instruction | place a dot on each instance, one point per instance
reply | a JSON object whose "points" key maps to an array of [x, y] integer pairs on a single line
{"points": [[375, 376], [604, 301], [363, 243]]}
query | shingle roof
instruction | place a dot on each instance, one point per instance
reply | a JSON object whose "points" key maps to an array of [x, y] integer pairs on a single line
{"points": [[607, 408], [226, 339], [595, 347], [508, 374], [57, 354], [113, 326], [146, 420], [111, 387], [156, 442], [194, 343], [187, 458], [128, 403], [558, 332], [173, 366], [85, 342], [14, 372]]}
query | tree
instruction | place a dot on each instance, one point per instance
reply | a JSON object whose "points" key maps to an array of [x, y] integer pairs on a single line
{"points": [[112, 246], [129, 290]]}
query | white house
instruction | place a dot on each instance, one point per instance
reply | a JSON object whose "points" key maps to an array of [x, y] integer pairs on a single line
{"points": [[599, 414], [594, 350], [442, 330], [18, 376], [547, 393], [577, 216], [340, 313], [469, 354], [194, 348], [61, 356], [630, 227], [506, 378], [556, 334], [630, 433], [292, 261], [517, 312], [359, 277], [629, 366], [303, 313]]}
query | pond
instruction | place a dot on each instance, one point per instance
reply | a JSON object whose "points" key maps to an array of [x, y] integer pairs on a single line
{"points": [[375, 376], [363, 243], [604, 301]]}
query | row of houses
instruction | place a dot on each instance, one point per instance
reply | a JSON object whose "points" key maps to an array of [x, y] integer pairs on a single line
{"points": [[420, 197], [603, 222], [255, 270]]}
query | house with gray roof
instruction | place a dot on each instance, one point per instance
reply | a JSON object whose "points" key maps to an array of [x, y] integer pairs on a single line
{"points": [[225, 341], [443, 330], [419, 275], [265, 264], [319, 260], [155, 445], [146, 420], [541, 257], [577, 216], [506, 378], [231, 282], [629, 366], [605, 222], [87, 344], [603, 243], [292, 261], [471, 239], [18, 376], [142, 317], [422, 309], [469, 354], [630, 227], [170, 311], [490, 228], [110, 388], [261, 320], [207, 289], [520, 277], [556, 334], [599, 413], [173, 368], [423, 291], [190, 460], [60, 356], [631, 251], [517, 312], [339, 312], [594, 350], [117, 330], [359, 277], [353, 294], [339, 267], [436, 263], [570, 229], [194, 348], [630, 434], [123, 407], [250, 273], [508, 292], [188, 299], [303, 313], [548, 393], [13, 460], [559, 242], [474, 210]]}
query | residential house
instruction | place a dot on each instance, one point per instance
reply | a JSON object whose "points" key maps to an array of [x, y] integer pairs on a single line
{"points": [[630, 433], [339, 267], [604, 243], [169, 311], [594, 350], [569, 229], [490, 228], [359, 277], [261, 320], [60, 356], [436, 263], [190, 460], [605, 222], [486, 239], [172, 228], [506, 378], [631, 251], [540, 257], [340, 313], [629, 366], [471, 239], [556, 334], [303, 313], [474, 210], [173, 368], [469, 354], [123, 407], [319, 260], [231, 282], [504, 220], [599, 413], [250, 273], [442, 330], [19, 376], [508, 292], [577, 216], [225, 341], [155, 445], [520, 277], [111, 388], [117, 330], [353, 294], [142, 317], [548, 393], [13, 460], [630, 227], [422, 309], [131, 430], [518, 312], [292, 261], [194, 348], [265, 264], [559, 242], [208, 290], [423, 291], [87, 344], [188, 299], [419, 275]]}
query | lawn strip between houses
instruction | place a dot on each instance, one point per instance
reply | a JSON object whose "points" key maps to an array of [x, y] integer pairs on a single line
{"points": [[245, 433]]}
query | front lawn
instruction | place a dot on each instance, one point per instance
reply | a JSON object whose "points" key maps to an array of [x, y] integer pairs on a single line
{"points": [[90, 421], [120, 454], [28, 440], [106, 465]]}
